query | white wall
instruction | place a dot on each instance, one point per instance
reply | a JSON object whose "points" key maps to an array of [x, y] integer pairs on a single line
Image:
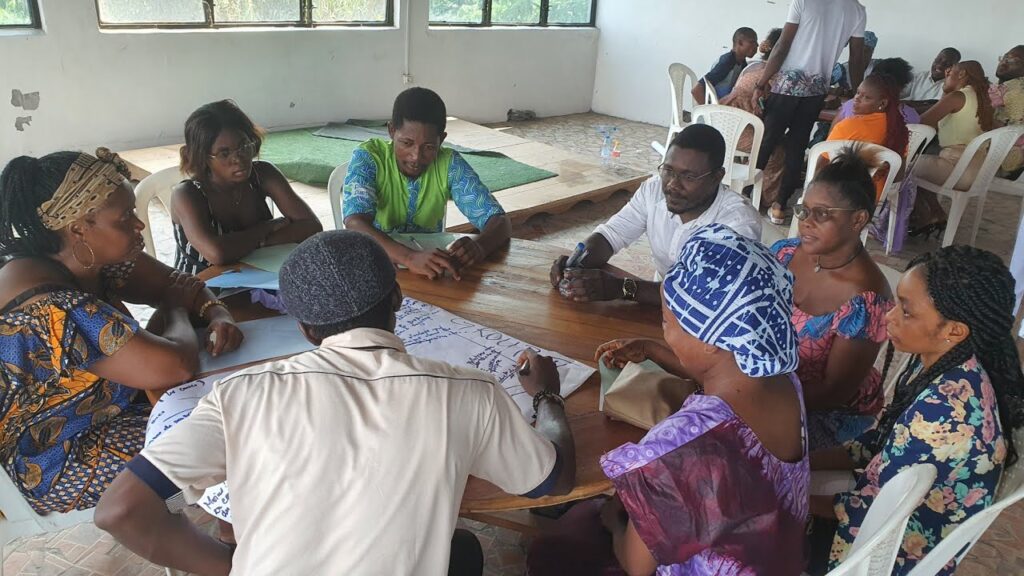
{"points": [[126, 90], [640, 39]]}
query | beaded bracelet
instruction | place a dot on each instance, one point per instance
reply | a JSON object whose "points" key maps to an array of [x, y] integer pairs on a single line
{"points": [[208, 304], [546, 394]]}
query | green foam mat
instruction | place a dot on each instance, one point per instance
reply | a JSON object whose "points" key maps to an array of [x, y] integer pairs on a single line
{"points": [[302, 156]]}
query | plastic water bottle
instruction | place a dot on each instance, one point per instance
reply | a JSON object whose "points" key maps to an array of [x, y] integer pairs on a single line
{"points": [[606, 150]]}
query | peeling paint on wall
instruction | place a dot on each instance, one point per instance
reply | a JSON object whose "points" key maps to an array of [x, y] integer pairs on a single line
{"points": [[24, 101], [21, 121]]}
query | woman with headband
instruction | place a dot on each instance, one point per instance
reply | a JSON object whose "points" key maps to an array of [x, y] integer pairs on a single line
{"points": [[721, 486], [73, 357]]}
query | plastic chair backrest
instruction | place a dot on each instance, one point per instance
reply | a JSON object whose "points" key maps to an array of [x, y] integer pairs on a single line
{"points": [[999, 142], [157, 185], [710, 95], [335, 184], [960, 541], [682, 100], [878, 541], [920, 136], [883, 156], [731, 122]]}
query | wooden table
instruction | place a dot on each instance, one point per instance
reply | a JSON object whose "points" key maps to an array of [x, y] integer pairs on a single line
{"points": [[511, 292]]}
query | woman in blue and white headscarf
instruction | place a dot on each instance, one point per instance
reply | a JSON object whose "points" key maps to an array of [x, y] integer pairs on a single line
{"points": [[719, 487]]}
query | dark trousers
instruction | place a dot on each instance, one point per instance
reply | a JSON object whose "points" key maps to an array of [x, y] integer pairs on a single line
{"points": [[467, 557], [789, 120]]}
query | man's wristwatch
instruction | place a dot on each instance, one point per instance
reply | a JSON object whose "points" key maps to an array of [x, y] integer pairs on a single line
{"points": [[629, 289]]}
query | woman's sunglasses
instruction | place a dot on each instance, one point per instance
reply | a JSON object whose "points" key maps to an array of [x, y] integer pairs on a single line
{"points": [[820, 214]]}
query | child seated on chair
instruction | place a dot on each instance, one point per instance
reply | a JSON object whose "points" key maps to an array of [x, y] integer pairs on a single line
{"points": [[403, 185], [220, 213], [725, 72]]}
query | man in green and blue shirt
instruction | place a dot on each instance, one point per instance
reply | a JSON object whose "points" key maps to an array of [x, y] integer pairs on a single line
{"points": [[403, 185]]}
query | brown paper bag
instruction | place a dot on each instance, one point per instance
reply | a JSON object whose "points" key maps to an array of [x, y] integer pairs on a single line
{"points": [[643, 397]]}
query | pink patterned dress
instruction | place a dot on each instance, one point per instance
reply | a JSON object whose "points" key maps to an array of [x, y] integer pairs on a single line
{"points": [[861, 318], [706, 497]]}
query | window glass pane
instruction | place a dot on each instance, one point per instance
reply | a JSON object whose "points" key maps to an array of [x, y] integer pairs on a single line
{"points": [[150, 11], [569, 11], [350, 10], [15, 13], [457, 11], [256, 11], [515, 11]]}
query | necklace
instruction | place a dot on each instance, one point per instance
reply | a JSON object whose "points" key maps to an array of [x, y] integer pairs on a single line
{"points": [[818, 267]]}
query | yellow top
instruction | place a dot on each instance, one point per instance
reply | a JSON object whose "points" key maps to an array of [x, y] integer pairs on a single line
{"points": [[961, 127]]}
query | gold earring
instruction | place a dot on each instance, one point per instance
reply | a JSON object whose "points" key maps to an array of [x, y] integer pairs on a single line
{"points": [[92, 255]]}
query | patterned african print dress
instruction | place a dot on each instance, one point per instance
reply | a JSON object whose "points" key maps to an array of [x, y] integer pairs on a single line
{"points": [[707, 497], [954, 425], [861, 318], [66, 432]]}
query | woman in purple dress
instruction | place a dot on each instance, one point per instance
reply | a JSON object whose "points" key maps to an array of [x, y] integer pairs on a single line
{"points": [[719, 487]]}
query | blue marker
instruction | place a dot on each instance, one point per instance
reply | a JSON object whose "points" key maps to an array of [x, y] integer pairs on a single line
{"points": [[577, 256]]}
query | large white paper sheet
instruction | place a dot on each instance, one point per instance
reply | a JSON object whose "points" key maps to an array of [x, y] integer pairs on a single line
{"points": [[432, 332]]}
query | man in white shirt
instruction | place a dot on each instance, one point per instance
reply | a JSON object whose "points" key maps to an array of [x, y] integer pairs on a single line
{"points": [[926, 89], [348, 459], [685, 194], [799, 72]]}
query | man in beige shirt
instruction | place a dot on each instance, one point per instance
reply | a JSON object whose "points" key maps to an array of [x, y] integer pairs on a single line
{"points": [[348, 459]]}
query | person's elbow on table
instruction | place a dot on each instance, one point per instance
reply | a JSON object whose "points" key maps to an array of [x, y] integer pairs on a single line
{"points": [[560, 481]]}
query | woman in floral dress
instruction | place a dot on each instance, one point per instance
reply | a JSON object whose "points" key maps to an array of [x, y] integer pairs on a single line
{"points": [[955, 405]]}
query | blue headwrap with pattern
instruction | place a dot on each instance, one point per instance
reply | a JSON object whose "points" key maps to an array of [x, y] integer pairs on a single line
{"points": [[731, 292]]}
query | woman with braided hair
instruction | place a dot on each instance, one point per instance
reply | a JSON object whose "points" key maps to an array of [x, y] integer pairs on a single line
{"points": [[956, 405], [73, 358]]}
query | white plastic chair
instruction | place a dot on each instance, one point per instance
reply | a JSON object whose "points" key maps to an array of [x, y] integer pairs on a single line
{"points": [[20, 520], [920, 136], [1011, 187], [682, 102], [731, 122], [999, 142], [874, 550], [960, 541], [882, 154], [335, 184], [710, 95], [157, 185]]}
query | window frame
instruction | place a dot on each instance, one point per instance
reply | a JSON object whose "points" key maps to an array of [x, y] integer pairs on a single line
{"points": [[486, 22], [305, 20], [35, 23]]}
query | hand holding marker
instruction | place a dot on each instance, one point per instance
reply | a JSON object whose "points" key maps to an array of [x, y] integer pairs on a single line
{"points": [[578, 256]]}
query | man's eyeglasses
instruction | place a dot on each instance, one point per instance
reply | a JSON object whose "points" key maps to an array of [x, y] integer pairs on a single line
{"points": [[668, 175], [820, 214], [244, 152]]}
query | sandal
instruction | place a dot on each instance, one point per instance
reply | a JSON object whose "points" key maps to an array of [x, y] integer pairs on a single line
{"points": [[777, 214]]}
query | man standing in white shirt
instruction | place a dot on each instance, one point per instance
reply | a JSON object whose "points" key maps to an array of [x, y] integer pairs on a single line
{"points": [[348, 459], [685, 194], [815, 34], [926, 89]]}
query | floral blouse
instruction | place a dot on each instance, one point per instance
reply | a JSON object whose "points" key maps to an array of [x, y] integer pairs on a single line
{"points": [[954, 425]]}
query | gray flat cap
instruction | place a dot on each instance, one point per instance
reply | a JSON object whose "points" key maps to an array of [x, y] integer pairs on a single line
{"points": [[335, 276]]}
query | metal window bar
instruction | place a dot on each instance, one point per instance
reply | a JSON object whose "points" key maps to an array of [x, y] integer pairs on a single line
{"points": [[305, 20], [545, 5]]}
